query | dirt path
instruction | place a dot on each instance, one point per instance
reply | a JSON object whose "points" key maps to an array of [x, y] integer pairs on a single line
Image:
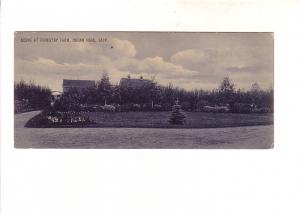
{"points": [[254, 137], [21, 119]]}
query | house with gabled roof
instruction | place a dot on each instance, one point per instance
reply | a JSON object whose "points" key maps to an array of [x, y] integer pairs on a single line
{"points": [[134, 83], [77, 84]]}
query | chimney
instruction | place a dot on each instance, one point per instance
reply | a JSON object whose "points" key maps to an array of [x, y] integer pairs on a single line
{"points": [[141, 77], [128, 76]]}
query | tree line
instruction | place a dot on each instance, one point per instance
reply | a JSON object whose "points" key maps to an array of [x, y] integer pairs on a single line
{"points": [[152, 96], [29, 96]]}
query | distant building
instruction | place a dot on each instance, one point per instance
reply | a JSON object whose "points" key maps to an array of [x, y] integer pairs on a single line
{"points": [[77, 84], [134, 83]]}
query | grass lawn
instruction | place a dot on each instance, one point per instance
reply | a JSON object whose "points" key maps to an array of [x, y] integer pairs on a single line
{"points": [[250, 137], [193, 120]]}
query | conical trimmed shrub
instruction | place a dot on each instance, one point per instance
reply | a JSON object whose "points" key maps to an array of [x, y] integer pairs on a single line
{"points": [[177, 116]]}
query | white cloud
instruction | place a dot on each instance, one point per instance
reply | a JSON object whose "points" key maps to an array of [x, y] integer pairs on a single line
{"points": [[190, 68], [122, 47], [243, 65], [189, 56]]}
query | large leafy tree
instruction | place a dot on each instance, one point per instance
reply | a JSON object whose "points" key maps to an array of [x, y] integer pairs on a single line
{"points": [[226, 86], [226, 91], [255, 87], [35, 95], [70, 101]]}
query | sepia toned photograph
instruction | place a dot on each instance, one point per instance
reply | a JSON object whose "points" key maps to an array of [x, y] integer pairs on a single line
{"points": [[144, 90]]}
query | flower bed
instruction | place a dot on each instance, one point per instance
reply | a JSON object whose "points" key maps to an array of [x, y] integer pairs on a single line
{"points": [[59, 119]]}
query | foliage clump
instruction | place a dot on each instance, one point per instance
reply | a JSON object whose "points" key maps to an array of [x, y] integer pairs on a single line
{"points": [[30, 96]]}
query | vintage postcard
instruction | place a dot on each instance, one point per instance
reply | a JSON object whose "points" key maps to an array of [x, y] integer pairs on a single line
{"points": [[141, 90]]}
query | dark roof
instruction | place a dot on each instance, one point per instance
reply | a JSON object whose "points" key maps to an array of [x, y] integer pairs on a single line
{"points": [[134, 83], [78, 83]]}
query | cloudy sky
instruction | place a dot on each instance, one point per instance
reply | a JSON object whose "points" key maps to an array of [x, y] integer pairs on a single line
{"points": [[187, 60]]}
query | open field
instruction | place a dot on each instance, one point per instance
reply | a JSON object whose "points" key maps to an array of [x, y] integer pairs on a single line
{"points": [[193, 119], [252, 137]]}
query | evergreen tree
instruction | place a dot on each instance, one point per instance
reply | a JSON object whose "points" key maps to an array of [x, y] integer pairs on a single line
{"points": [[104, 88], [177, 116]]}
